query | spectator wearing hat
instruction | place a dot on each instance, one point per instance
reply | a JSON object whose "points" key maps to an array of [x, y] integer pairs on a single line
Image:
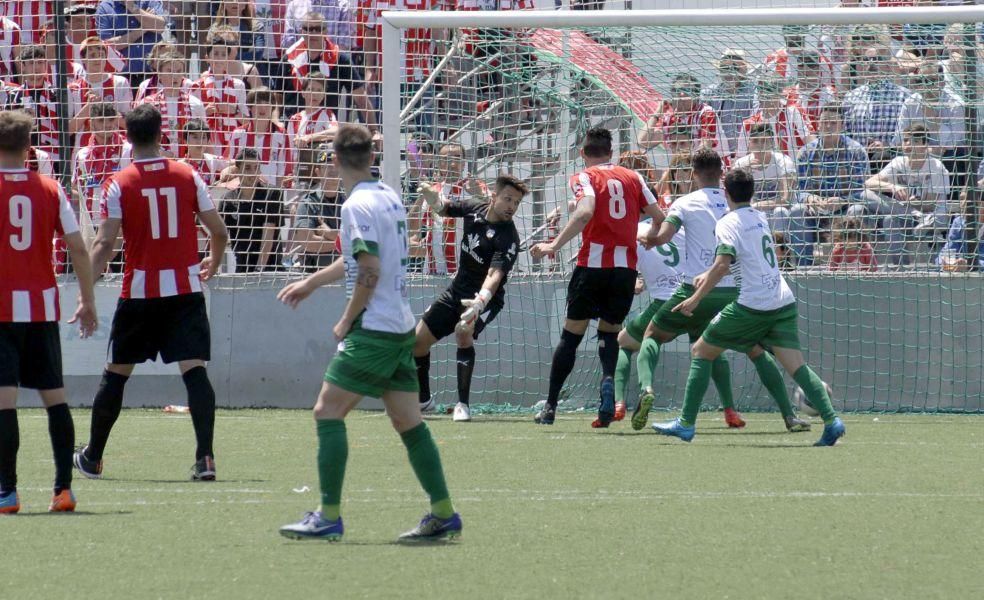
{"points": [[733, 97], [134, 26]]}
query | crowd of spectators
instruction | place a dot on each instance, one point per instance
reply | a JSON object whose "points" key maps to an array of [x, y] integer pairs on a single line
{"points": [[860, 137]]}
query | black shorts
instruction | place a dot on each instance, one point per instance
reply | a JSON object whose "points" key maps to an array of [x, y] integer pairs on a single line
{"points": [[605, 294], [176, 327], [30, 356], [443, 315]]}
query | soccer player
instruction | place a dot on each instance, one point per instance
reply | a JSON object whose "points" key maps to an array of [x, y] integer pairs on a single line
{"points": [[764, 314], [608, 200], [161, 308], [698, 213], [33, 208], [489, 246], [375, 350]]}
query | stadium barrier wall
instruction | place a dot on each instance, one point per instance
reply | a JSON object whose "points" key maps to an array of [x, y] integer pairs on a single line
{"points": [[882, 342]]}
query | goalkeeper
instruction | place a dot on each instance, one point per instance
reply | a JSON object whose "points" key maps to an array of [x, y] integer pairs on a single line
{"points": [[489, 246]]}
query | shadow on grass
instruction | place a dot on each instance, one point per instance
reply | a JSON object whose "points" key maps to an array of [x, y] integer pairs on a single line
{"points": [[188, 480], [394, 543], [69, 515]]}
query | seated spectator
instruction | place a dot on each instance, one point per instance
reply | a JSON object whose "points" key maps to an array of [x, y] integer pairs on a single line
{"points": [[176, 105], [35, 93], [10, 40], [733, 97], [337, 15], [106, 152], [96, 85], [252, 212], [262, 134], [774, 172], [132, 26], [637, 161], [810, 92], [789, 122], [196, 143], [318, 213], [236, 65], [223, 95], [851, 251], [152, 84], [964, 249], [678, 178], [314, 124], [959, 59], [871, 111], [786, 61], [239, 17], [832, 171], [913, 186], [684, 106]]}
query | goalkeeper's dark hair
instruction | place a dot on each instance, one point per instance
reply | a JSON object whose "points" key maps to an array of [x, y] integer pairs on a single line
{"points": [[505, 180], [597, 143], [706, 163], [353, 147], [739, 185]]}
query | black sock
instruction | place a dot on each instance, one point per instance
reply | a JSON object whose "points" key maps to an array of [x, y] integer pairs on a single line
{"points": [[9, 444], [563, 364], [201, 405], [61, 429], [466, 364], [608, 352], [106, 408], [423, 377]]}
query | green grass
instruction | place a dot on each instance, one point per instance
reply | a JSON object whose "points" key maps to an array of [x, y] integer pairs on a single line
{"points": [[894, 511]]}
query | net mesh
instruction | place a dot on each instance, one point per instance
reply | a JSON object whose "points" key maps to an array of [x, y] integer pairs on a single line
{"points": [[253, 91]]}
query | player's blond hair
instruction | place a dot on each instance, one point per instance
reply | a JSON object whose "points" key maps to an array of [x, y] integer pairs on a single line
{"points": [[15, 131]]}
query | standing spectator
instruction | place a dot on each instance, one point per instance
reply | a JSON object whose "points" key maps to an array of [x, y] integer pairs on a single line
{"points": [[832, 171], [913, 184], [851, 251], [30, 16], [871, 111], [10, 40], [313, 124], [100, 157], [263, 135], [790, 124], [337, 15], [774, 173], [134, 26], [810, 92], [684, 106], [223, 95], [176, 105], [959, 57], [733, 98], [319, 213], [785, 62], [81, 25], [96, 85], [252, 214], [197, 140]]}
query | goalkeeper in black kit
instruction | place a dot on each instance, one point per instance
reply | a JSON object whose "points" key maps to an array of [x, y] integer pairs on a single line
{"points": [[489, 246]]}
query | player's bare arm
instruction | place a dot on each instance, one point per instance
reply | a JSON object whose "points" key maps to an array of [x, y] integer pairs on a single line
{"points": [[365, 286], [218, 238], [104, 246], [476, 306], [704, 283], [432, 194], [579, 220], [658, 235], [295, 292], [85, 314]]}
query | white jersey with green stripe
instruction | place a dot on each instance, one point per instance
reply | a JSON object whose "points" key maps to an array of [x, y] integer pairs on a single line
{"points": [[744, 234], [375, 221], [659, 266], [697, 214]]}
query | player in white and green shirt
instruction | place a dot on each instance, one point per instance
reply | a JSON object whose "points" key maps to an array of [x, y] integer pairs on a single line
{"points": [[764, 313], [376, 338]]}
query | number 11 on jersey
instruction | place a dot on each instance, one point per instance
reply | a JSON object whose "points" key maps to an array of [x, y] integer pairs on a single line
{"points": [[170, 209]]}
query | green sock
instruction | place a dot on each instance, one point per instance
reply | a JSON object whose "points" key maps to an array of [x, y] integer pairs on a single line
{"points": [[721, 376], [646, 362], [623, 370], [771, 378], [332, 456], [697, 382], [815, 392], [426, 463]]}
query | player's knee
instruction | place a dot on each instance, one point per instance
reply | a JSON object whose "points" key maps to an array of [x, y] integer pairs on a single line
{"points": [[624, 339], [755, 352], [405, 421], [464, 339]]}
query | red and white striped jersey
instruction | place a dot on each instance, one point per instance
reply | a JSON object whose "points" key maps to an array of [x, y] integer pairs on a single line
{"points": [[115, 62], [812, 101], [208, 167], [41, 162], [175, 111], [152, 85], [226, 92], [31, 16], [33, 210], [308, 122], [42, 103], [782, 64], [271, 147], [362, 10], [93, 165], [704, 124], [441, 237], [157, 201], [418, 47], [10, 41], [620, 194], [297, 57], [791, 126], [114, 89]]}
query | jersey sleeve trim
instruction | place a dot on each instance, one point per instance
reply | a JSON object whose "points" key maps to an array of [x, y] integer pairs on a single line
{"points": [[204, 197], [726, 250], [675, 220], [360, 246], [110, 207], [66, 216]]}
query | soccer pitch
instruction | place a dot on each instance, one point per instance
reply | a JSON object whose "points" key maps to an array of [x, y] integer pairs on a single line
{"points": [[896, 510]]}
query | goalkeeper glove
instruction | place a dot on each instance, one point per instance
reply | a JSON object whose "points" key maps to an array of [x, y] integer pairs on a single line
{"points": [[473, 309]]}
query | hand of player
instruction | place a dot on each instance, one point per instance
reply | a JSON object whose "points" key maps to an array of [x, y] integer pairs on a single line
{"points": [[293, 293], [342, 329], [85, 316], [645, 241], [640, 285], [543, 249], [206, 269], [687, 306], [431, 193], [699, 280], [473, 309]]}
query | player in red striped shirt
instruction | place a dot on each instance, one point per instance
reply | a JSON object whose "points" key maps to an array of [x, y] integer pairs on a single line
{"points": [[609, 200], [33, 209], [161, 309]]}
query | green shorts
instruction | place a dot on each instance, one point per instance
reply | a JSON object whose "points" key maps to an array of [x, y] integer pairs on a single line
{"points": [[636, 327], [677, 322], [739, 328], [374, 362]]}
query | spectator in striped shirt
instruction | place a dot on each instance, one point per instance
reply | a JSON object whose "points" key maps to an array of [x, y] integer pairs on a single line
{"points": [[95, 86], [832, 171], [10, 40], [315, 123], [871, 111], [35, 94], [684, 106], [337, 14], [198, 153], [790, 124]]}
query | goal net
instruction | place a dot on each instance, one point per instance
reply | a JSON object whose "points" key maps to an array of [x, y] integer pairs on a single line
{"points": [[862, 127]]}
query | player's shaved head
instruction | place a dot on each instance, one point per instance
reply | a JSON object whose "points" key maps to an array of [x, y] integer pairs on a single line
{"points": [[597, 143], [143, 125], [739, 185], [15, 131], [353, 147]]}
